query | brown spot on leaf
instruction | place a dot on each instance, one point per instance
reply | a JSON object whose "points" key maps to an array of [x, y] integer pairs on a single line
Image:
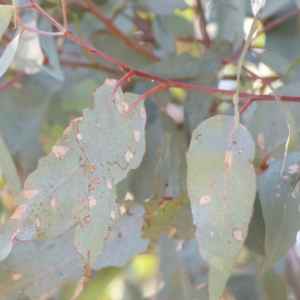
{"points": [[122, 106], [28, 194], [137, 135], [92, 201], [212, 234], [53, 202], [60, 151], [79, 136], [241, 151], [93, 169], [238, 234], [16, 276], [108, 184], [278, 195], [172, 232], [294, 169], [143, 112], [212, 183], [175, 206], [68, 129], [113, 215], [261, 141], [205, 199], [228, 158], [128, 156], [87, 219], [111, 82], [37, 223], [18, 212]]}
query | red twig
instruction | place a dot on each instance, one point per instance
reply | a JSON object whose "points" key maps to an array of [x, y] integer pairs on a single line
{"points": [[245, 106], [12, 81], [165, 82], [278, 21], [94, 66], [145, 96], [117, 32]]}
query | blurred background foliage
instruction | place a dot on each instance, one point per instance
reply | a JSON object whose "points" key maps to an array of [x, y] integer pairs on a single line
{"points": [[35, 110]]}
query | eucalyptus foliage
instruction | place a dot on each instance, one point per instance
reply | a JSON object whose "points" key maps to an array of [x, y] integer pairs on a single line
{"points": [[149, 147]]}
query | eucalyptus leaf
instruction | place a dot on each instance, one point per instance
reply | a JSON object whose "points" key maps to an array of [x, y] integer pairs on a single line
{"points": [[221, 185]]}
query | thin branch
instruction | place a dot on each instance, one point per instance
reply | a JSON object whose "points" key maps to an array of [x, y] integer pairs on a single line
{"points": [[165, 82], [95, 66], [145, 96], [65, 18], [117, 32], [47, 16], [278, 21], [245, 106], [202, 22]]}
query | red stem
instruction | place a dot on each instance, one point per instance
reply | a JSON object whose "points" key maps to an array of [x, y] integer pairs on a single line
{"points": [[145, 96], [278, 21], [166, 82], [95, 66], [117, 32]]}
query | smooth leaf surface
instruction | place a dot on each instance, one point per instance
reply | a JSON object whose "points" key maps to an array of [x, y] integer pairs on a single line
{"points": [[29, 56], [49, 47], [161, 175], [187, 66], [9, 54], [119, 146], [194, 266], [163, 35], [6, 12], [165, 7], [280, 207], [221, 185], [33, 268], [9, 170], [20, 120]]}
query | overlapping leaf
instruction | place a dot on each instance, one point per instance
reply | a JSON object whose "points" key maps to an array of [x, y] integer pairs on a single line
{"points": [[280, 199], [172, 216], [124, 241], [221, 185], [33, 268], [113, 147], [53, 196]]}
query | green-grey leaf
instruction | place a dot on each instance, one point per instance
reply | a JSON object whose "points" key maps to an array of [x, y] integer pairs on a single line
{"points": [[33, 268], [165, 7], [194, 266], [280, 207], [173, 216], [161, 175], [124, 241], [163, 35], [113, 146], [186, 66], [9, 54], [8, 168], [49, 47], [53, 196], [221, 185], [275, 61], [6, 12]]}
